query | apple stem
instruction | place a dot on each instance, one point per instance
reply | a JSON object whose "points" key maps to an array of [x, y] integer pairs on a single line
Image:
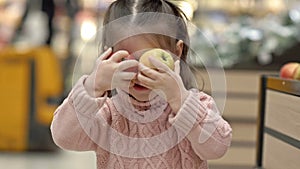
{"points": [[164, 58]]}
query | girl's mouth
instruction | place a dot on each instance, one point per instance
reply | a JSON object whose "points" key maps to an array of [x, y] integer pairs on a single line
{"points": [[139, 87]]}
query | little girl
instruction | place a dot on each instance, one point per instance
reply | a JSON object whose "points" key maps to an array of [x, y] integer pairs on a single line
{"points": [[136, 117]]}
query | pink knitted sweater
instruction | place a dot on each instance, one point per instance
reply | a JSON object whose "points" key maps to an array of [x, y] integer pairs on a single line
{"points": [[127, 134]]}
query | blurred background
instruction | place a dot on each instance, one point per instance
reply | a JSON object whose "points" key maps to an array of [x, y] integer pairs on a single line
{"points": [[40, 41]]}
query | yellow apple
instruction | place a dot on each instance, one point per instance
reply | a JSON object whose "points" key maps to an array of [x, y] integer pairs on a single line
{"points": [[159, 54]]}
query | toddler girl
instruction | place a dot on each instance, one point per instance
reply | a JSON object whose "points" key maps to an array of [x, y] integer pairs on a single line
{"points": [[137, 117]]}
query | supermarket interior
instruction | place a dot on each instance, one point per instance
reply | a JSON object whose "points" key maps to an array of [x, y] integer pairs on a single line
{"points": [[238, 48]]}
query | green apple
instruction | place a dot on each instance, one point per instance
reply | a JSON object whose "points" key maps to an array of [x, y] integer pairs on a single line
{"points": [[159, 54]]}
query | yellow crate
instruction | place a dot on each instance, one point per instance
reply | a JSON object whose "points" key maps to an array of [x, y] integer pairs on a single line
{"points": [[27, 80]]}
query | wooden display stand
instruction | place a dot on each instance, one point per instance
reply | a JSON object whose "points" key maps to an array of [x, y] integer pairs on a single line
{"points": [[278, 143]]}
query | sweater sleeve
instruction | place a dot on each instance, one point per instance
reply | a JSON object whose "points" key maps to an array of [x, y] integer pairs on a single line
{"points": [[199, 119], [73, 124]]}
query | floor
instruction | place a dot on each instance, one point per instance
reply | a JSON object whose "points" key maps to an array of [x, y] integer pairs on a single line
{"points": [[65, 160], [52, 160]]}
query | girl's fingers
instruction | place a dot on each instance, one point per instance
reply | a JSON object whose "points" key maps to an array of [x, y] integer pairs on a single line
{"points": [[153, 74], [119, 56], [127, 75], [123, 79], [159, 65], [144, 81], [127, 64], [177, 67], [105, 55]]}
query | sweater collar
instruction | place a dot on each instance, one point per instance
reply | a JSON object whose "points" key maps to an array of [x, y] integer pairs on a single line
{"points": [[139, 111]]}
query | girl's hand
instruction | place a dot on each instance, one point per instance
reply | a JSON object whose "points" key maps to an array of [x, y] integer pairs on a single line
{"points": [[110, 72], [166, 82]]}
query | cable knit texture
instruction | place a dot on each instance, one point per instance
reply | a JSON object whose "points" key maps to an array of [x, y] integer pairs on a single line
{"points": [[128, 134]]}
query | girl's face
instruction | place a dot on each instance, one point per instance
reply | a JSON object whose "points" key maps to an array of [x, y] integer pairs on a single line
{"points": [[136, 46]]}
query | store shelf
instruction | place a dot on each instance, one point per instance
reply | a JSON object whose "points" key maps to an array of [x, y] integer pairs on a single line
{"points": [[278, 132]]}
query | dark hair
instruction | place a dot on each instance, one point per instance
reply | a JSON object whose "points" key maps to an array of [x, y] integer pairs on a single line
{"points": [[121, 8]]}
